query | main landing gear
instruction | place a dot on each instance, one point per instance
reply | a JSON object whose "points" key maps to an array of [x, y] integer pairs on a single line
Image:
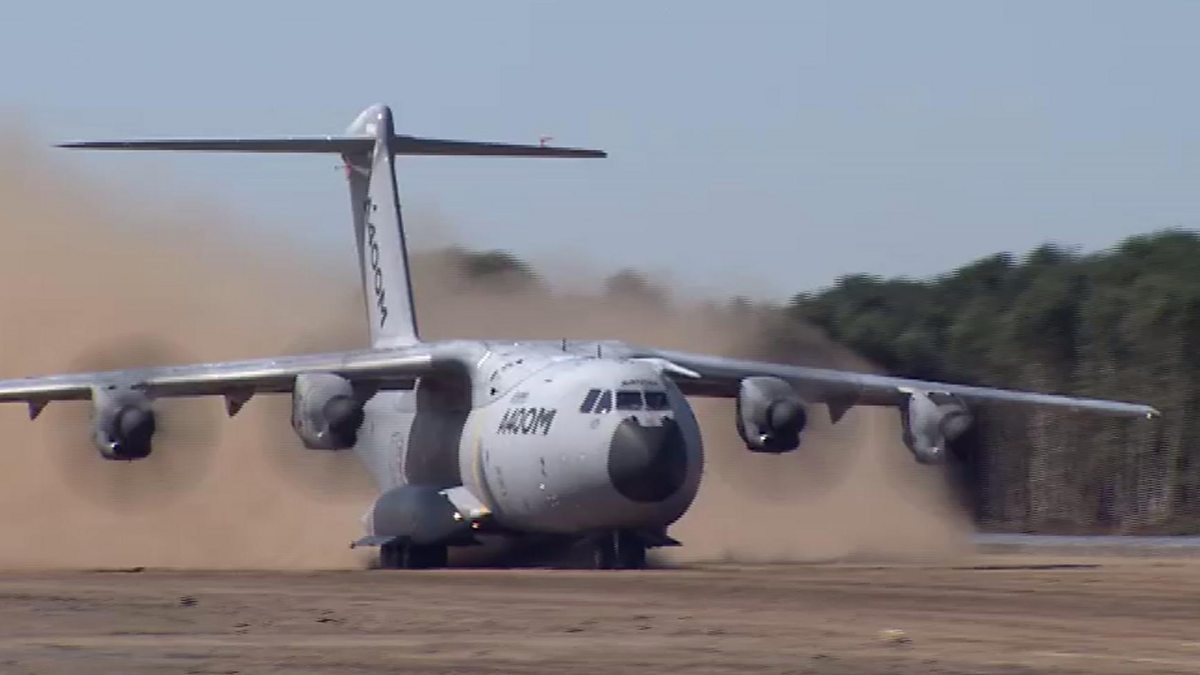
{"points": [[611, 550], [400, 556], [619, 550]]}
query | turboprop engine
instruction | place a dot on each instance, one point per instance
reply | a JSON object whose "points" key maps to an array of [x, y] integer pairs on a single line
{"points": [[770, 415], [326, 411], [123, 423], [930, 421]]}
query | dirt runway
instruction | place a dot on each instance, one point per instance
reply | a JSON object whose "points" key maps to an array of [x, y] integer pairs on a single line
{"points": [[993, 613]]}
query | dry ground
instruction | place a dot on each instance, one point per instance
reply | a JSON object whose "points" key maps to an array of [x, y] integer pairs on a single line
{"points": [[988, 613]]}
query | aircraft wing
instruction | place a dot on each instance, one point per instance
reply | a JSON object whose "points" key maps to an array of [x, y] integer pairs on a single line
{"points": [[384, 369], [706, 375]]}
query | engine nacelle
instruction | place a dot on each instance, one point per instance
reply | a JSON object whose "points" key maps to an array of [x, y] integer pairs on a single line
{"points": [[326, 411], [123, 423], [770, 415], [930, 421]]}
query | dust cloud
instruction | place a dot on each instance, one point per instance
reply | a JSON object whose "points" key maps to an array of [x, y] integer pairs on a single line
{"points": [[852, 490], [91, 280]]}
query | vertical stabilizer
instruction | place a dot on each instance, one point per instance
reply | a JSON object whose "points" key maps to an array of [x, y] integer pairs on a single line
{"points": [[369, 149], [379, 232]]}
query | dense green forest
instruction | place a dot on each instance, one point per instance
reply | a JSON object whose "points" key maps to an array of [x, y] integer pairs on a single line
{"points": [[1121, 324]]}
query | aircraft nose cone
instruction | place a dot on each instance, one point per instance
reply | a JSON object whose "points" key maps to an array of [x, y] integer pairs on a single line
{"points": [[647, 464]]}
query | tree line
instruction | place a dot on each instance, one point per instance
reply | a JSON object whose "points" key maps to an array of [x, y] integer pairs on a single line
{"points": [[1121, 324]]}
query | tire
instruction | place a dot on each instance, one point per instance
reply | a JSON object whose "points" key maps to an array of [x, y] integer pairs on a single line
{"points": [[427, 557], [604, 552], [407, 557], [390, 556], [618, 551], [631, 552]]}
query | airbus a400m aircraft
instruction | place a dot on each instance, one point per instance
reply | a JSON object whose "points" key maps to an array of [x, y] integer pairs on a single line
{"points": [[592, 441]]}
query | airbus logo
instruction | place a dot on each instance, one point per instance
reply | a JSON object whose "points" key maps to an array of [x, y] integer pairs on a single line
{"points": [[373, 259], [535, 421]]}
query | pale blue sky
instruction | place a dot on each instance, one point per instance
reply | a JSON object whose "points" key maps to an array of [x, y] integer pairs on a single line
{"points": [[769, 147]]}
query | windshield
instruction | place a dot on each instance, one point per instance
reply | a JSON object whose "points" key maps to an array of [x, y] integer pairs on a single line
{"points": [[605, 403], [629, 400], [657, 400]]}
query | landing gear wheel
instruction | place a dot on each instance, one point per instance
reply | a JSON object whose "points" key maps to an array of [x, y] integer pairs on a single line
{"points": [[390, 555], [604, 552], [427, 557], [618, 551], [397, 556], [631, 552]]}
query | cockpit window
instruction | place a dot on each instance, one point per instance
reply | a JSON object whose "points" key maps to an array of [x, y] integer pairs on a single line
{"points": [[629, 400], [589, 401], [605, 403], [657, 400]]}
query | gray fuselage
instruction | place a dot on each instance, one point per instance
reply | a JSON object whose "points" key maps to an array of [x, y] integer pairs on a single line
{"points": [[551, 438]]}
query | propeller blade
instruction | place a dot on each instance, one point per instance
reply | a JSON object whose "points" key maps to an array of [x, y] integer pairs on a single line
{"points": [[187, 431]]}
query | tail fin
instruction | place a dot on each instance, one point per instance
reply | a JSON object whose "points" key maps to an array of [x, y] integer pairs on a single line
{"points": [[379, 232], [369, 149]]}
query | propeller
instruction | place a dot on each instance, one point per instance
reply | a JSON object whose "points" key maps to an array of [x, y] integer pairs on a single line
{"points": [[186, 432], [827, 450], [327, 475], [965, 466], [187, 435]]}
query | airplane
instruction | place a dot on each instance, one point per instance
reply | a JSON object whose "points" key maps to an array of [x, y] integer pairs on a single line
{"points": [[589, 441]]}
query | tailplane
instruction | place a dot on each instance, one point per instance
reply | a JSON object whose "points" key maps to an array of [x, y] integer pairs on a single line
{"points": [[369, 148]]}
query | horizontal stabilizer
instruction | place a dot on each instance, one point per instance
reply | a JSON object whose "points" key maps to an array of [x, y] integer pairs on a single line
{"points": [[413, 145], [344, 144], [399, 145]]}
